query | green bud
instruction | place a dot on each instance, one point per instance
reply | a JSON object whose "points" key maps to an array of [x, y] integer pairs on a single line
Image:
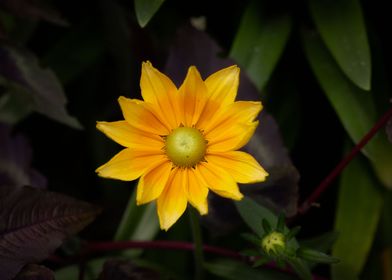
{"points": [[273, 243]]}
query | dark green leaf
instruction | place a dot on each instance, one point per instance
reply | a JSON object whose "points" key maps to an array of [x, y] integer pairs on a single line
{"points": [[253, 214], [389, 130], [281, 222], [321, 243], [33, 223], [137, 223], [261, 261], [358, 212], [315, 256], [354, 107], [126, 269], [250, 252], [23, 68], [145, 10], [260, 41], [342, 28], [301, 268], [293, 232], [266, 226], [252, 238], [228, 269]]}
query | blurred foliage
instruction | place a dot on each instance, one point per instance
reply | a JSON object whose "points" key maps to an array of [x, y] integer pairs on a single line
{"points": [[320, 67]]}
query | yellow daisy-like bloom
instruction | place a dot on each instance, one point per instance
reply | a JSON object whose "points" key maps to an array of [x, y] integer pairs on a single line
{"points": [[183, 142]]}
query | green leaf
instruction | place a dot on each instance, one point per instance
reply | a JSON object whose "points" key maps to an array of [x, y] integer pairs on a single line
{"points": [[354, 107], [342, 28], [260, 41], [358, 212], [321, 243], [228, 269], [301, 268], [253, 214], [145, 9], [251, 238], [138, 222], [315, 256]]}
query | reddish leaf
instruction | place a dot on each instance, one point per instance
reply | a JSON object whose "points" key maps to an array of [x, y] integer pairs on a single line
{"points": [[21, 67], [280, 191], [35, 272], [15, 160], [33, 9], [33, 223]]}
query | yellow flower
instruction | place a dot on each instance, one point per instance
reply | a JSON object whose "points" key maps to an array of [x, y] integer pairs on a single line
{"points": [[183, 142]]}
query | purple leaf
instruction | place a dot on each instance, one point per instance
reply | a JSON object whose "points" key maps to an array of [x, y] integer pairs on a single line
{"points": [[280, 191], [15, 160], [48, 98], [33, 223], [389, 130], [35, 272], [34, 10]]}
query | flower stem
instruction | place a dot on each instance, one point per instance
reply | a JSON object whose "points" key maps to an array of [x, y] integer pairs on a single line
{"points": [[340, 167], [198, 243]]}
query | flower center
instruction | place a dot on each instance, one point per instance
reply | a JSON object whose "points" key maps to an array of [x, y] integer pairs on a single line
{"points": [[185, 146]]}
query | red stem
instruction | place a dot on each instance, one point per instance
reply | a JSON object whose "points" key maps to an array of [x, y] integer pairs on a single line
{"points": [[108, 246], [340, 167], [94, 247]]}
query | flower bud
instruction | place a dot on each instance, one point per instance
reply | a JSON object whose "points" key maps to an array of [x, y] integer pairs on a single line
{"points": [[273, 243]]}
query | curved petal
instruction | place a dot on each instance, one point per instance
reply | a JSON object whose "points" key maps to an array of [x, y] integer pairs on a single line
{"points": [[172, 202], [219, 180], [229, 138], [240, 112], [193, 93], [223, 85], [197, 191], [152, 183], [130, 164], [126, 135], [139, 115], [241, 166], [160, 91]]}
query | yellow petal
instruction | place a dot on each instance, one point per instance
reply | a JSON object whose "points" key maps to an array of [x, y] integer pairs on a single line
{"points": [[223, 85], [219, 180], [241, 166], [152, 183], [193, 93], [130, 164], [172, 202], [197, 191], [230, 137], [141, 116], [126, 135], [240, 112], [160, 91]]}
